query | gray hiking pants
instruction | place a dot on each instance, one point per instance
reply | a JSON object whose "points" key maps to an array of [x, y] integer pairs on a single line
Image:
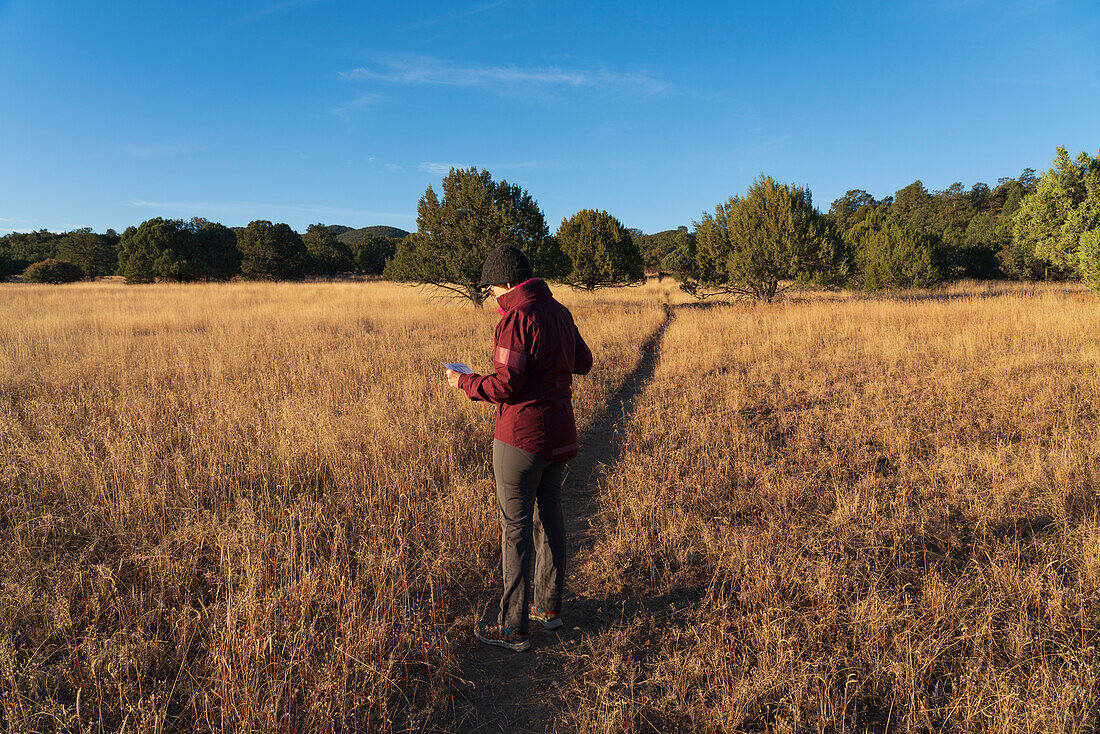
{"points": [[531, 524]]}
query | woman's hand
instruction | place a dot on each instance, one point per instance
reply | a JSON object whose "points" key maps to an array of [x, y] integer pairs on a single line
{"points": [[452, 377]]}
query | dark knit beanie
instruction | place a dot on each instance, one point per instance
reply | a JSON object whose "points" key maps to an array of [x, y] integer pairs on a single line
{"points": [[505, 264]]}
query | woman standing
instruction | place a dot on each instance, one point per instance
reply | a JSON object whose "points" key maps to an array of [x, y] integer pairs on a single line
{"points": [[536, 351]]}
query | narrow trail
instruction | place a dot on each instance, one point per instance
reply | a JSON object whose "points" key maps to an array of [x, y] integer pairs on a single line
{"points": [[503, 691]]}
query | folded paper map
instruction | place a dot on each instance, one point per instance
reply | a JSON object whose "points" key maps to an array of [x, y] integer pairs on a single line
{"points": [[459, 367]]}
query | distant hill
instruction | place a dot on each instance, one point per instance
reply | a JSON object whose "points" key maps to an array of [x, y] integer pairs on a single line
{"points": [[350, 236]]}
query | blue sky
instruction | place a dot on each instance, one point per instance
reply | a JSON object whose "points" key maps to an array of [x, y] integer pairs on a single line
{"points": [[344, 112]]}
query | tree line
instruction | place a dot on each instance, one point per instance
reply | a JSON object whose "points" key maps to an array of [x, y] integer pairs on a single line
{"points": [[190, 250], [755, 245], [1024, 228]]}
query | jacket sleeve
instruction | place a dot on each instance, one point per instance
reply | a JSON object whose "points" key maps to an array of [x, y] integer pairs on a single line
{"points": [[510, 357], [582, 357]]}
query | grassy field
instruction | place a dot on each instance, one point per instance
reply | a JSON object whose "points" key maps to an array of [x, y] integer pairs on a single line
{"points": [[258, 507], [249, 507], [865, 515]]}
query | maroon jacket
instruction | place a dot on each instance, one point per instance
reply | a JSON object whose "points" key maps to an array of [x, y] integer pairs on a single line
{"points": [[536, 352]]}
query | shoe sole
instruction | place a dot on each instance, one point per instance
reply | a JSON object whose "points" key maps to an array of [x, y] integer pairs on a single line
{"points": [[552, 624], [513, 646]]}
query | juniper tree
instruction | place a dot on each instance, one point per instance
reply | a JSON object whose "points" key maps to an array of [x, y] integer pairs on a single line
{"points": [[271, 251], [1051, 222], [601, 250], [454, 234], [851, 209], [218, 255], [157, 248], [763, 243], [328, 255], [172, 249], [94, 254], [892, 254], [52, 271], [370, 253], [1088, 258]]}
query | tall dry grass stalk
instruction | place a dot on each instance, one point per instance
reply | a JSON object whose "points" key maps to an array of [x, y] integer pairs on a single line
{"points": [[249, 507], [865, 515]]}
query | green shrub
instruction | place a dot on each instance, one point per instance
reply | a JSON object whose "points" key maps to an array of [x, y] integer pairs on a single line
{"points": [[1088, 259], [602, 251], [7, 265], [761, 244], [52, 271], [455, 234], [891, 254], [271, 251], [371, 252], [327, 255], [172, 249]]}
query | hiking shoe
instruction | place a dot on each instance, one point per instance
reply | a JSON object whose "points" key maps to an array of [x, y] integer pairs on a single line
{"points": [[492, 633], [550, 620]]}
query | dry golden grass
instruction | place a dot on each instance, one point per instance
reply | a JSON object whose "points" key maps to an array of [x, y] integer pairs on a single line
{"points": [[258, 507], [857, 515], [249, 507]]}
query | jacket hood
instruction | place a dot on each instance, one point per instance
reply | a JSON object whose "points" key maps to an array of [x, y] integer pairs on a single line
{"points": [[526, 291]]}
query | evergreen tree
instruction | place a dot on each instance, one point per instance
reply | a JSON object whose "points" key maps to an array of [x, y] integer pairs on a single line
{"points": [[24, 248], [892, 254], [918, 208], [157, 248], [656, 247], [271, 251], [984, 237], [371, 253], [217, 254], [680, 258], [979, 197], [600, 249], [52, 271], [764, 243], [328, 255], [455, 234], [1065, 206], [1088, 258], [851, 209], [1018, 261], [94, 254], [172, 249]]}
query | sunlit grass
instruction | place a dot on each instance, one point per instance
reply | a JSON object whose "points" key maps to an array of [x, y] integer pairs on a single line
{"points": [[236, 507], [871, 515]]}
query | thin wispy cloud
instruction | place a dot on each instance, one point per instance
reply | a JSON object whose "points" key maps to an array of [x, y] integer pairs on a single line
{"points": [[269, 10], [452, 17], [16, 222], [363, 100], [7, 220], [422, 70], [255, 209], [442, 169], [437, 169], [28, 225]]}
